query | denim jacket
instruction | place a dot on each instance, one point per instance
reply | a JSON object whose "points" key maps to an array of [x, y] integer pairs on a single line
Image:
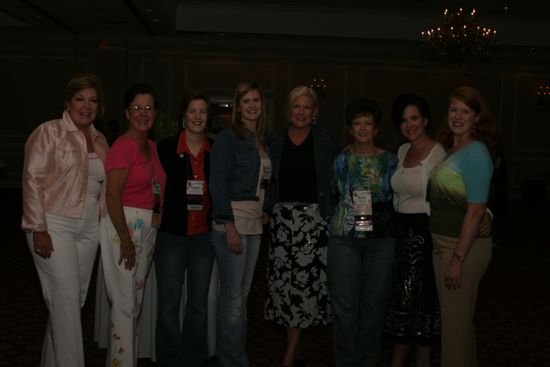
{"points": [[234, 172], [325, 150]]}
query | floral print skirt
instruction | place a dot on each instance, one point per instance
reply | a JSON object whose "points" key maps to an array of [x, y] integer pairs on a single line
{"points": [[297, 284]]}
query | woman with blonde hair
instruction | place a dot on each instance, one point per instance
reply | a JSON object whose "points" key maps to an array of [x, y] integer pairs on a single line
{"points": [[240, 172], [63, 177], [301, 203]]}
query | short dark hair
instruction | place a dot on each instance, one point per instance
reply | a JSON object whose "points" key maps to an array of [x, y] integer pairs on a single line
{"points": [[409, 99], [136, 89], [363, 106], [189, 97]]}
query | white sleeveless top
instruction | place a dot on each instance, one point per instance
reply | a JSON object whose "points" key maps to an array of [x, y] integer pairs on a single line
{"points": [[96, 175]]}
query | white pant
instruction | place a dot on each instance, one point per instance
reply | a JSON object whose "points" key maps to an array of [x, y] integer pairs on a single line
{"points": [[125, 287], [65, 277]]}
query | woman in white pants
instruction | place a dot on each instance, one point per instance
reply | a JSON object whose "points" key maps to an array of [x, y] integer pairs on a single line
{"points": [[135, 186], [62, 183]]}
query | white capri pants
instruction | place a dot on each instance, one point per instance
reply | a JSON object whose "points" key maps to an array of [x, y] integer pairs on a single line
{"points": [[125, 287], [64, 278]]}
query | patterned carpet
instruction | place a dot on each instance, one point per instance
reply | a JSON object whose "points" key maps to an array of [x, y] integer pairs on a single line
{"points": [[513, 314]]}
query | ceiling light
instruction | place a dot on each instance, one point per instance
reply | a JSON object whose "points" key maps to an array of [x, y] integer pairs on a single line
{"points": [[459, 41]]}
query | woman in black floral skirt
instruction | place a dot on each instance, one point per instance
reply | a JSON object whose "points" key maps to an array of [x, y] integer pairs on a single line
{"points": [[302, 156]]}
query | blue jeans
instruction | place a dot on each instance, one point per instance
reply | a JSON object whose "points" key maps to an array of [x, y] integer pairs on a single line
{"points": [[360, 274], [174, 256], [236, 273]]}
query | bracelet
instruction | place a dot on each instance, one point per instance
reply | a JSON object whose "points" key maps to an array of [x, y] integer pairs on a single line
{"points": [[459, 257]]}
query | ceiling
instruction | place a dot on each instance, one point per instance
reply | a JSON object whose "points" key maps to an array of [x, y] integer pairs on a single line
{"points": [[77, 17], [524, 22]]}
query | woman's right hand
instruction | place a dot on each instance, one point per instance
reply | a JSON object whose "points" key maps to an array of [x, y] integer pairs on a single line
{"points": [[116, 180], [233, 239], [42, 243], [127, 253]]}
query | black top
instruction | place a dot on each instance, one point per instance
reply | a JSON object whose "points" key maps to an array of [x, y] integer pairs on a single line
{"points": [[325, 148], [297, 175]]}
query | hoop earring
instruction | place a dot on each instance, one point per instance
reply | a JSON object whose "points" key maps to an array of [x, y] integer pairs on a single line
{"points": [[313, 121]]}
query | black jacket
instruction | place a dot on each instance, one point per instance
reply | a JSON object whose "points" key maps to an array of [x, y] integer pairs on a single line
{"points": [[178, 171], [325, 150]]}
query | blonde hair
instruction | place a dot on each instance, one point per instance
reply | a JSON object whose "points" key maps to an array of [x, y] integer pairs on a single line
{"points": [[299, 91], [83, 81], [236, 122]]}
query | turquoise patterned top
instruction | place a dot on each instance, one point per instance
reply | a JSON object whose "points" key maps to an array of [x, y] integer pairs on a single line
{"points": [[464, 177], [354, 172]]}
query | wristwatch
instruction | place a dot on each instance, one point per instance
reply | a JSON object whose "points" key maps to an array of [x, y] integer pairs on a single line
{"points": [[459, 257]]}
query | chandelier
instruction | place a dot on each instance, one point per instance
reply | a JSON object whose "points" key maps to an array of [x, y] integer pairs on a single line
{"points": [[543, 94], [319, 85], [459, 41]]}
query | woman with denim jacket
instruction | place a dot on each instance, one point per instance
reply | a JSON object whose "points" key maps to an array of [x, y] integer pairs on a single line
{"points": [[303, 154], [63, 194], [240, 172]]}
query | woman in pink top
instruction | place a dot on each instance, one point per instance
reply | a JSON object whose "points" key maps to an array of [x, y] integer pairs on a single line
{"points": [[62, 183], [135, 186]]}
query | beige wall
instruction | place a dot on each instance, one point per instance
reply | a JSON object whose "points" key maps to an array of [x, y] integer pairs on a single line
{"points": [[35, 69]]}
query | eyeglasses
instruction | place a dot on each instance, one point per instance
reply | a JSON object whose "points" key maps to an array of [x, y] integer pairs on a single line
{"points": [[146, 108]]}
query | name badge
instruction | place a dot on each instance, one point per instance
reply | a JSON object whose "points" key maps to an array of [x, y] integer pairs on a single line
{"points": [[362, 210], [195, 194]]}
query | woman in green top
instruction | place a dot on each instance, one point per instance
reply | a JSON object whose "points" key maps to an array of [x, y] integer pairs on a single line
{"points": [[458, 193]]}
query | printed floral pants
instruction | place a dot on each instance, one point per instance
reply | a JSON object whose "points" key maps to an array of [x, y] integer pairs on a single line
{"points": [[125, 287]]}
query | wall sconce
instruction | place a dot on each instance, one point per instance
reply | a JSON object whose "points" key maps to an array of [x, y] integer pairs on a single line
{"points": [[543, 94], [319, 85]]}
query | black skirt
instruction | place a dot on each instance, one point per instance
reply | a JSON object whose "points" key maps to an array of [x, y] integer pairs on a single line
{"points": [[412, 315]]}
